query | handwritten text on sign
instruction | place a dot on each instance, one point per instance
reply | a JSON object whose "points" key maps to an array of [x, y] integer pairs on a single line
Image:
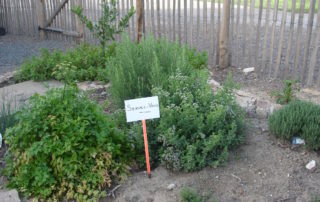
{"points": [[142, 109]]}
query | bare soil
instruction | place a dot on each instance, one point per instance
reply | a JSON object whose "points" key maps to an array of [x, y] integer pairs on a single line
{"points": [[262, 169]]}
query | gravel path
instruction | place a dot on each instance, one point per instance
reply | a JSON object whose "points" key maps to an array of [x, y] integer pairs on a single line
{"points": [[15, 49]]}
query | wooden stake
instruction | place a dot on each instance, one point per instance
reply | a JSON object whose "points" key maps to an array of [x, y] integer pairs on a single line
{"points": [[146, 146]]}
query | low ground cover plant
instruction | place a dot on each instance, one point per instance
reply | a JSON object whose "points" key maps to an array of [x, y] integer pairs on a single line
{"points": [[298, 118], [85, 62], [196, 128], [64, 146]]}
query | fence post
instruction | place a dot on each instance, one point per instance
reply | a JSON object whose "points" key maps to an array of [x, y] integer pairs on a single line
{"points": [[224, 36], [41, 15], [140, 10], [79, 25]]}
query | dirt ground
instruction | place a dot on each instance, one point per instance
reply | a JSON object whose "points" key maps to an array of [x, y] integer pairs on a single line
{"points": [[262, 169]]}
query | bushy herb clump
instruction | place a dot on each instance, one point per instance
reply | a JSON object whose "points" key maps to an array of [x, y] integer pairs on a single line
{"points": [[64, 146], [196, 128], [298, 118], [287, 94], [85, 62], [137, 68], [190, 195]]}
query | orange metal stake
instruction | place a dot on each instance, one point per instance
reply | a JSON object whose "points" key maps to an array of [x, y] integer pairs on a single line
{"points": [[146, 146]]}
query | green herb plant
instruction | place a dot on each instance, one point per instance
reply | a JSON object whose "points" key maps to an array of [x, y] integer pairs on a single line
{"points": [[287, 94], [197, 128], [298, 118], [85, 62], [107, 26], [64, 146]]}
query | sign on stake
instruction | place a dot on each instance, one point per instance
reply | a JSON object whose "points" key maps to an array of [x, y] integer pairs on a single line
{"points": [[140, 110]]}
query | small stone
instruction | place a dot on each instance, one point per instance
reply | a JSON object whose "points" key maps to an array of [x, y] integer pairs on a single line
{"points": [[248, 70], [171, 187], [9, 196], [311, 165], [149, 199]]}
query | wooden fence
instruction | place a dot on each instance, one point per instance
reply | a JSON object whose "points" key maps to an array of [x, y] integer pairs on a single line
{"points": [[280, 43]]}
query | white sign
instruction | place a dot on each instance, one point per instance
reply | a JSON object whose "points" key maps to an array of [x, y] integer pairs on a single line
{"points": [[142, 109]]}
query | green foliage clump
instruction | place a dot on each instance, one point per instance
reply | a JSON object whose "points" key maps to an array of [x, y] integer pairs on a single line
{"points": [[197, 60], [63, 145], [7, 111], [190, 195], [108, 25], [85, 62], [196, 128], [136, 68], [298, 118], [287, 94]]}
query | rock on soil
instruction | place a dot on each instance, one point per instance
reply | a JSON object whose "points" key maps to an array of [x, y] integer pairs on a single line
{"points": [[9, 196]]}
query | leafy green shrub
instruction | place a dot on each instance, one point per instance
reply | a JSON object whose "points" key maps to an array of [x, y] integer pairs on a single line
{"points": [[287, 94], [64, 146], [298, 118], [136, 68], [7, 110], [197, 60], [190, 195], [85, 62], [108, 25], [196, 128]]}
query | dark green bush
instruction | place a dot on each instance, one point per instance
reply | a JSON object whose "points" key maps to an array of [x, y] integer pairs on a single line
{"points": [[64, 146], [196, 128], [85, 62], [298, 118]]}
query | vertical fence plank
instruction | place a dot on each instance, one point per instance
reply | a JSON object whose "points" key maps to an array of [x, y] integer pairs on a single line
{"points": [[313, 59], [41, 17], [275, 18], [185, 7], [204, 43], [265, 41], [169, 20], [212, 30], [147, 17], [238, 34], [191, 23], [288, 53], [179, 20], [298, 41], [308, 40], [231, 39], [198, 23], [283, 25], [174, 20], [158, 19], [21, 10], [244, 31], [257, 51], [132, 23], [164, 17], [252, 8], [218, 32]]}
